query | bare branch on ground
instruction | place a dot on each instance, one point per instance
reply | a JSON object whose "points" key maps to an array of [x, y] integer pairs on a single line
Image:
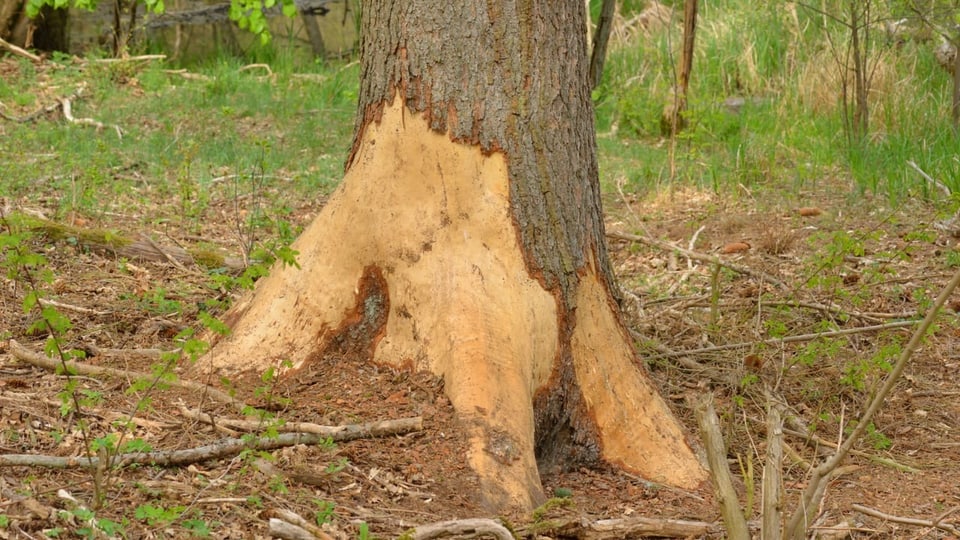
{"points": [[54, 364], [220, 449], [19, 51], [386, 427], [632, 527], [788, 339], [822, 474], [733, 520], [934, 523], [702, 257], [462, 528]]}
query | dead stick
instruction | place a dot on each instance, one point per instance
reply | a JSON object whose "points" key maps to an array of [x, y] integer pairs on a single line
{"points": [[702, 257], [615, 529], [772, 491], [53, 364], [287, 427], [293, 518], [736, 524], [220, 449], [19, 51], [906, 520], [788, 339], [65, 103], [468, 528], [821, 475], [811, 439]]}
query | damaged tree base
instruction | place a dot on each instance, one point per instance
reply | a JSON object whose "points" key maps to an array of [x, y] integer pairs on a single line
{"points": [[415, 263]]}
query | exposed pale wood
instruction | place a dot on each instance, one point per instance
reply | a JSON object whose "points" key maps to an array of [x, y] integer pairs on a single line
{"points": [[697, 256], [66, 104], [475, 250], [54, 364], [734, 522], [462, 528], [71, 307]]}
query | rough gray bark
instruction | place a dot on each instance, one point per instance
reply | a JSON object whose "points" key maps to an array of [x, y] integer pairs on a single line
{"points": [[511, 77]]}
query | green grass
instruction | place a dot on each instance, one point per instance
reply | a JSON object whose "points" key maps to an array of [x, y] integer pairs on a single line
{"points": [[178, 134], [181, 134], [790, 132]]}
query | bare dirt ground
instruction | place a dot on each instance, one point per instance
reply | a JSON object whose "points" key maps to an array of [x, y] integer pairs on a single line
{"points": [[852, 263]]}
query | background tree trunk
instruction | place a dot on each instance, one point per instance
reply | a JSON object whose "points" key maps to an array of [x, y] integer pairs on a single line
{"points": [[467, 239]]}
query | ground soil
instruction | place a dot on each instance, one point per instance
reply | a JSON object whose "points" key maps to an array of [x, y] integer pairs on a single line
{"points": [[847, 260]]}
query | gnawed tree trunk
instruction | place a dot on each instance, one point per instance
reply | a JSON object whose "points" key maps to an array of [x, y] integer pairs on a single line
{"points": [[467, 239]]}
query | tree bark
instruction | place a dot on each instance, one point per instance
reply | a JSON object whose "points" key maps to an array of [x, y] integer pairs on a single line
{"points": [[598, 54], [467, 239]]}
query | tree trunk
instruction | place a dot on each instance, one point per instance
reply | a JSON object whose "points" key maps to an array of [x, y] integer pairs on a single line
{"points": [[10, 11], [598, 54], [467, 239]]}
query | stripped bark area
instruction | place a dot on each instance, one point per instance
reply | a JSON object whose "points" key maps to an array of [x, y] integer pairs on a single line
{"points": [[467, 239]]}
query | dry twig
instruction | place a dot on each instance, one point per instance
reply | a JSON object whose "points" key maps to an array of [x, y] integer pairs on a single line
{"points": [[387, 427], [51, 364], [19, 51], [632, 527], [733, 520], [935, 523], [702, 257], [821, 475], [462, 528], [788, 339], [220, 449]]}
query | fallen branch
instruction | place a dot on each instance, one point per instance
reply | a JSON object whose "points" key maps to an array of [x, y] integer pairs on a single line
{"points": [[117, 245], [54, 364], [772, 491], [936, 523], [19, 51], [788, 339], [66, 105], [813, 439], [702, 257], [615, 529], [463, 528], [821, 475], [220, 449], [733, 520], [386, 427], [71, 307], [287, 517]]}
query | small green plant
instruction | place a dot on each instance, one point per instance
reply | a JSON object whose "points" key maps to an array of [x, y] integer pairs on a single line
{"points": [[158, 516], [325, 511], [363, 531]]}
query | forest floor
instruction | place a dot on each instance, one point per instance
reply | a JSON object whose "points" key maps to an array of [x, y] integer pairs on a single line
{"points": [[856, 263], [800, 264]]}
